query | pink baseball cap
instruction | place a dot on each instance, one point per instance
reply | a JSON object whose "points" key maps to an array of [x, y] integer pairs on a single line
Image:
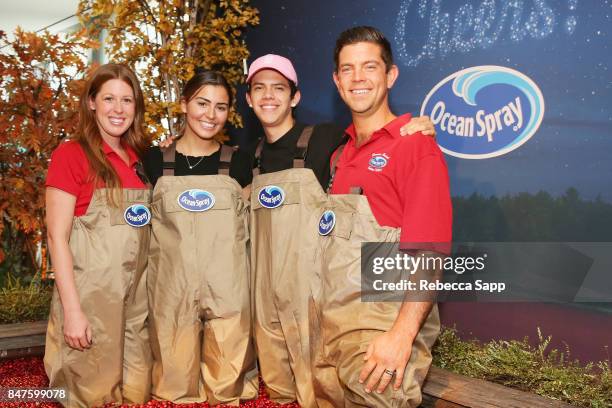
{"points": [[275, 62]]}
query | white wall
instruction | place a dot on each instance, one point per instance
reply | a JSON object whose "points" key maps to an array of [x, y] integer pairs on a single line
{"points": [[33, 15]]}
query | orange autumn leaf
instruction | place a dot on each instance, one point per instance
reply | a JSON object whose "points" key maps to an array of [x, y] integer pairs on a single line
{"points": [[167, 40]]}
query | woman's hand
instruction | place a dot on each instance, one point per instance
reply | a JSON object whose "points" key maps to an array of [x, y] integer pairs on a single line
{"points": [[77, 330]]}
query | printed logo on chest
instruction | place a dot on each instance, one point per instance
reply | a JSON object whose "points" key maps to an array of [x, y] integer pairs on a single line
{"points": [[137, 215], [327, 222], [271, 196], [196, 200], [378, 161]]}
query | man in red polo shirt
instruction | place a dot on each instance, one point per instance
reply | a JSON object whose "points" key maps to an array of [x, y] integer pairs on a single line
{"points": [[404, 179]]}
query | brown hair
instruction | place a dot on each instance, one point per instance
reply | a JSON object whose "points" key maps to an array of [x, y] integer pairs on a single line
{"points": [[88, 135], [200, 79], [364, 34]]}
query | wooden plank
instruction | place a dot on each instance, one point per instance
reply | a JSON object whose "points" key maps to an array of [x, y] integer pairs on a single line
{"points": [[23, 329], [433, 402], [38, 351], [470, 392], [442, 389], [13, 347]]}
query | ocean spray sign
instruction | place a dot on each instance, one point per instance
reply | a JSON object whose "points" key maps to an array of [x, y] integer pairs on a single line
{"points": [[271, 196], [196, 200], [137, 215], [483, 112], [327, 222]]}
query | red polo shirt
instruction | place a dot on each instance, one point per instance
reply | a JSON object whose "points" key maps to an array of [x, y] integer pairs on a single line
{"points": [[405, 180], [69, 170]]}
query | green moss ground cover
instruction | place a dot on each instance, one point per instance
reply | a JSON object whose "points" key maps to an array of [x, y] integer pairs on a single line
{"points": [[517, 364]]}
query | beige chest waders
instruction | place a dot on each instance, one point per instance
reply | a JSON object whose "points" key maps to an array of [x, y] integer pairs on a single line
{"points": [[109, 261], [342, 326], [199, 290], [284, 257], [284, 209]]}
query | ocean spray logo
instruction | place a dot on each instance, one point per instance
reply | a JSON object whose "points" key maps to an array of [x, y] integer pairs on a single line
{"points": [[327, 222], [196, 200], [483, 112], [378, 161], [271, 196], [137, 215]]}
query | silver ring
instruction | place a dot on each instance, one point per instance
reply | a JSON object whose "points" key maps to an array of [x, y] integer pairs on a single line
{"points": [[389, 372]]}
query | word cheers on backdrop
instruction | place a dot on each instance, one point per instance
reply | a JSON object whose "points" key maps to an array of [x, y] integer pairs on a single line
{"points": [[477, 27]]}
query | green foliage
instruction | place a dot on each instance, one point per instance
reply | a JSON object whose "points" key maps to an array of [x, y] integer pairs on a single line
{"points": [[531, 217], [23, 302], [517, 364]]}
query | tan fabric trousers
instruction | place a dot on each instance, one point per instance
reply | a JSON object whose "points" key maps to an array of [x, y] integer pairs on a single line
{"points": [[285, 259], [109, 260], [199, 294], [342, 326]]}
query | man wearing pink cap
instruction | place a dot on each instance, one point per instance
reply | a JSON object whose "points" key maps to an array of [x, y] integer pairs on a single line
{"points": [[284, 255], [273, 94]]}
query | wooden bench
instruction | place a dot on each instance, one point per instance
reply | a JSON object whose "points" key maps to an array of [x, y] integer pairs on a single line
{"points": [[22, 339], [442, 389]]}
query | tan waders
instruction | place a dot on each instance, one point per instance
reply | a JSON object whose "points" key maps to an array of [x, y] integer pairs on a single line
{"points": [[109, 260], [285, 206], [198, 282], [342, 326]]}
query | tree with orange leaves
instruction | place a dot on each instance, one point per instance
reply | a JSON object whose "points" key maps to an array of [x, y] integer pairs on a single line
{"points": [[40, 79], [165, 40]]}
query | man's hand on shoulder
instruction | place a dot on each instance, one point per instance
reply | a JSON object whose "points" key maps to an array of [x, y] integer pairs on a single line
{"points": [[167, 142], [421, 124], [385, 360]]}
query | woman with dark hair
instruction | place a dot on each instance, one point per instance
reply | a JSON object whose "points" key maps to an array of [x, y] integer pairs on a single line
{"points": [[198, 273], [198, 148], [97, 343]]}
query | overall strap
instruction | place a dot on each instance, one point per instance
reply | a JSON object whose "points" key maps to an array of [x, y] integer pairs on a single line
{"points": [[334, 165], [142, 175], [302, 147], [257, 163], [169, 159], [226, 159]]}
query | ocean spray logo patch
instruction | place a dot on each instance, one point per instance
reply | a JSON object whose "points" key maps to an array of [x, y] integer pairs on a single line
{"points": [[485, 111], [137, 215], [271, 196], [196, 200], [327, 222], [378, 161]]}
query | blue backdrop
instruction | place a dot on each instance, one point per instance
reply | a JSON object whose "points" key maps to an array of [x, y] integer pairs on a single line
{"points": [[563, 46], [557, 186]]}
